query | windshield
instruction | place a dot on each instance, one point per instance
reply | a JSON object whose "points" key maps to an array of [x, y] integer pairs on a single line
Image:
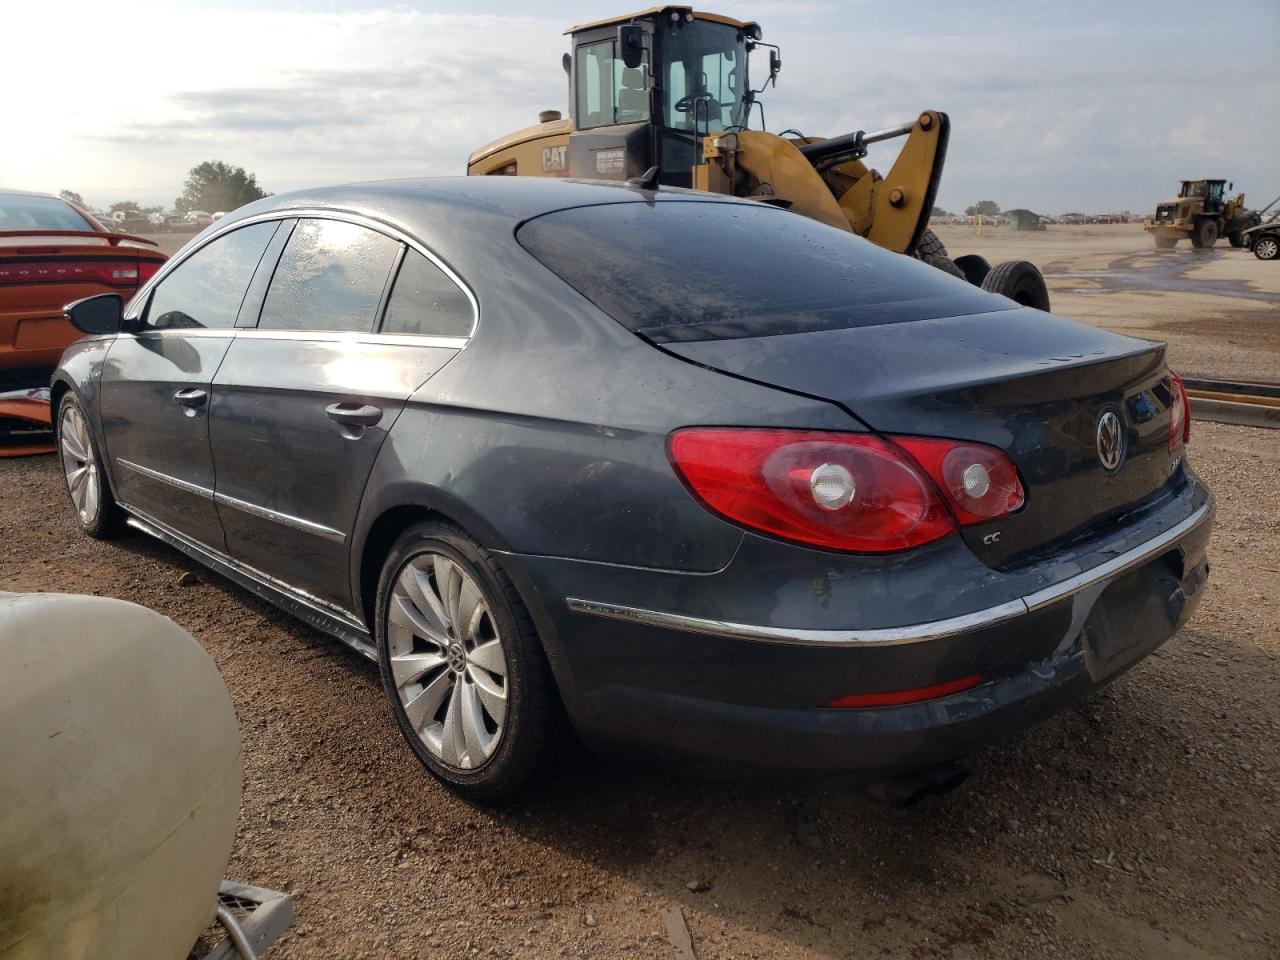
{"points": [[704, 71], [21, 212], [694, 270]]}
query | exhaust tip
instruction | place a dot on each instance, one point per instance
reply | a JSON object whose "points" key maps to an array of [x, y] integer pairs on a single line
{"points": [[908, 789], [546, 116]]}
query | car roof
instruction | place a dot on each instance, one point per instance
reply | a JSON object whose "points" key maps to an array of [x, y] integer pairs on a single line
{"points": [[6, 192], [423, 207]]}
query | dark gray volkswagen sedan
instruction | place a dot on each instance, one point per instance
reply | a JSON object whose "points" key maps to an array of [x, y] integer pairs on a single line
{"points": [[699, 474]]}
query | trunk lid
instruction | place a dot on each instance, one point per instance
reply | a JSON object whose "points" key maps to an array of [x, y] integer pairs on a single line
{"points": [[1030, 383]]}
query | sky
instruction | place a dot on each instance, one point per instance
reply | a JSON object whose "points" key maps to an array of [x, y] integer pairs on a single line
{"points": [[1056, 106]]}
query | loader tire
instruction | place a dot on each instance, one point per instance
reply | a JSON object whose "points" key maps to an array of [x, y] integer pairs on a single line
{"points": [[1020, 281], [974, 267], [1205, 234], [933, 251]]}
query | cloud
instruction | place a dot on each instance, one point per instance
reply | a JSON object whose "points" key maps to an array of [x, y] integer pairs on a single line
{"points": [[1052, 105]]}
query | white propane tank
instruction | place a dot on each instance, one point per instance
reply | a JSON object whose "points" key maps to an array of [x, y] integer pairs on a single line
{"points": [[120, 778]]}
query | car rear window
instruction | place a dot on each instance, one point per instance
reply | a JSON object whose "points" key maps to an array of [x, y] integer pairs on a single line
{"points": [[39, 213], [681, 270]]}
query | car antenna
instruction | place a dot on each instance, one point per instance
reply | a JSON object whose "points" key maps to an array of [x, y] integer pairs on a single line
{"points": [[646, 181]]}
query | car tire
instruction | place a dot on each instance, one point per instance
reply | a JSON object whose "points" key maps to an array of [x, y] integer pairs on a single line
{"points": [[1266, 246], [1020, 281], [933, 251], [95, 508], [1204, 235], [483, 719]]}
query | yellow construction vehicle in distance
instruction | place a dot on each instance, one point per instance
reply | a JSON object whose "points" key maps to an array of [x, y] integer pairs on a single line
{"points": [[663, 98]]}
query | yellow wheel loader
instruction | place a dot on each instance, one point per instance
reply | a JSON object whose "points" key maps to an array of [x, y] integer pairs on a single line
{"points": [[1201, 213], [663, 98]]}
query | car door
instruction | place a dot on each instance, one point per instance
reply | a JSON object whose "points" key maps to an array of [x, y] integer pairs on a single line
{"points": [[302, 403], [156, 384]]}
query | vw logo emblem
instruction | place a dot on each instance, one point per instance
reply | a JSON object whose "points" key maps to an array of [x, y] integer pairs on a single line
{"points": [[1110, 440]]}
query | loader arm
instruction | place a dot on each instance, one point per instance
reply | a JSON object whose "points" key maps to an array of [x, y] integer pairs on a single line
{"points": [[827, 180]]}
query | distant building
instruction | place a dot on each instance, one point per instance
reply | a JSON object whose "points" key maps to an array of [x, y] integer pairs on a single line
{"points": [[1024, 220]]}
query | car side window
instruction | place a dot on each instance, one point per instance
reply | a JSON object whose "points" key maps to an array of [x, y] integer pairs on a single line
{"points": [[425, 301], [205, 290], [331, 276]]}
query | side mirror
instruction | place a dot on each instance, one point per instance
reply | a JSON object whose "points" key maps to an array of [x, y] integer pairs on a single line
{"points": [[567, 62], [631, 45], [103, 313], [775, 64]]}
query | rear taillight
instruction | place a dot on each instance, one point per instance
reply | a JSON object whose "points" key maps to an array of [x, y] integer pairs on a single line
{"points": [[111, 273], [1179, 413], [896, 698], [844, 491], [979, 482]]}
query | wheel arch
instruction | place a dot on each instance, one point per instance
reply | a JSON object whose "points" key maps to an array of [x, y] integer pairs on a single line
{"points": [[403, 505]]}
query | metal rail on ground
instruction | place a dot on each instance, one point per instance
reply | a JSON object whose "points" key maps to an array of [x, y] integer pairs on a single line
{"points": [[1233, 401]]}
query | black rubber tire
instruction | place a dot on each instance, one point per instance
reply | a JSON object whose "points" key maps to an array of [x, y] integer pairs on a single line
{"points": [[1266, 246], [1236, 239], [534, 724], [1204, 235], [109, 522], [933, 251], [974, 267], [1020, 281], [1166, 243]]}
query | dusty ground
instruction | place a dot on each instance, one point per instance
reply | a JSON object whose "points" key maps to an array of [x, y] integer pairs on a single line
{"points": [[1218, 309], [1144, 823]]}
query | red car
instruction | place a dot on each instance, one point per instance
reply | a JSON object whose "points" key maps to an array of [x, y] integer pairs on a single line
{"points": [[51, 253]]}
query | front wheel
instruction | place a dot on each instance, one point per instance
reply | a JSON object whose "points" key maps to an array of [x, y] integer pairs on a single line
{"points": [[1020, 281], [462, 665], [1204, 235], [933, 251], [96, 510], [1266, 247]]}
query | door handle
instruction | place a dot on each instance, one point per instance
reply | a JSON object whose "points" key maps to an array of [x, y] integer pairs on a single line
{"points": [[353, 414], [191, 397]]}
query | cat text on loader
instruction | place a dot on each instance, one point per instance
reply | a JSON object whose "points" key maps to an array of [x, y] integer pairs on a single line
{"points": [[663, 98]]}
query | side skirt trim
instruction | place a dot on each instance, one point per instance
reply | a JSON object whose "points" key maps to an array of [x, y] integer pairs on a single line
{"points": [[311, 610]]}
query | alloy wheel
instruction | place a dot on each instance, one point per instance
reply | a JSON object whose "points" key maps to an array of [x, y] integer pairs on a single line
{"points": [[1265, 249], [79, 464], [447, 660]]}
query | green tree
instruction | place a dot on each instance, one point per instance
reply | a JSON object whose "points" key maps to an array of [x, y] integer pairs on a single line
{"points": [[986, 208], [214, 185], [939, 212], [72, 197]]}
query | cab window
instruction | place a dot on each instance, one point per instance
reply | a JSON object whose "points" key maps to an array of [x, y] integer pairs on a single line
{"points": [[608, 91], [206, 289], [331, 276]]}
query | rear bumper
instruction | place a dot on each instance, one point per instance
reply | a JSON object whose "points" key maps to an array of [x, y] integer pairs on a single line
{"points": [[747, 695]]}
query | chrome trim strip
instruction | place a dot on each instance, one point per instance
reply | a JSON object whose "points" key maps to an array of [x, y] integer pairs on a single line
{"points": [[204, 493], [344, 336], [319, 213], [288, 520], [319, 613], [912, 633]]}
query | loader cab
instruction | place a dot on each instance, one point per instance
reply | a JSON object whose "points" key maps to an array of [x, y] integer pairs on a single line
{"points": [[646, 88], [1208, 191]]}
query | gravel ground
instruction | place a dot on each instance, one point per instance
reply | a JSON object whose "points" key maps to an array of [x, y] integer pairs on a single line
{"points": [[1143, 823]]}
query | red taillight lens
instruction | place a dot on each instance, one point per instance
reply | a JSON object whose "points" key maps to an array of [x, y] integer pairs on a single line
{"points": [[895, 698], [979, 482], [146, 270], [1179, 412], [841, 491], [112, 273]]}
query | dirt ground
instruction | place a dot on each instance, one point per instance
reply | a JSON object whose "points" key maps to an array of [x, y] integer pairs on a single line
{"points": [[1219, 309], [1144, 823]]}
